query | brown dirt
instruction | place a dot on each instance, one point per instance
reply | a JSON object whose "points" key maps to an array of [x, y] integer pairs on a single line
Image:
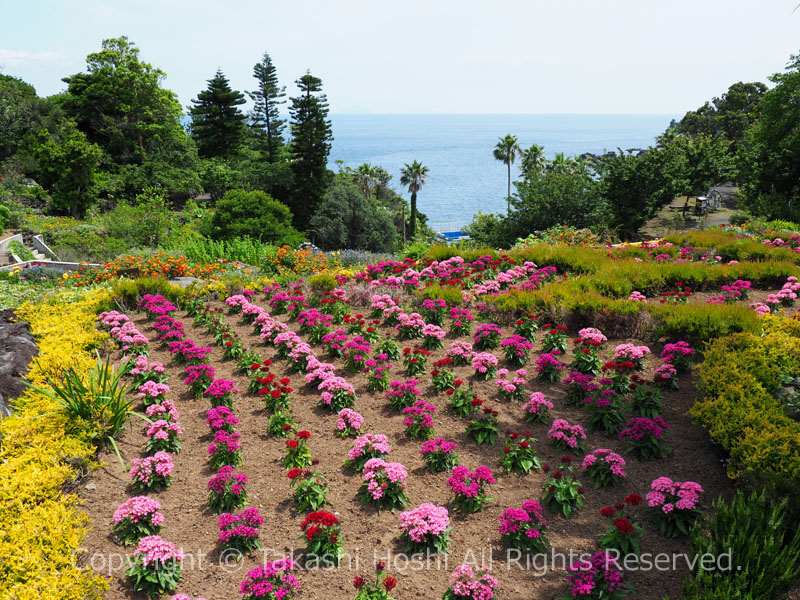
{"points": [[368, 535]]}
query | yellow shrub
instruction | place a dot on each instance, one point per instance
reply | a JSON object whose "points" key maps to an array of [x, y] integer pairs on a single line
{"points": [[41, 528], [738, 378]]}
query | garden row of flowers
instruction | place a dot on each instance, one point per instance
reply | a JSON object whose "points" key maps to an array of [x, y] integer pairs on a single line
{"points": [[471, 488], [608, 390]]}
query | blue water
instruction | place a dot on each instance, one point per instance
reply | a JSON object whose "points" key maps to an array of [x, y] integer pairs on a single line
{"points": [[464, 176]]}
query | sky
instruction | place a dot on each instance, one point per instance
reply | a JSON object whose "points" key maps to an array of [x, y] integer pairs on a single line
{"points": [[430, 56]]}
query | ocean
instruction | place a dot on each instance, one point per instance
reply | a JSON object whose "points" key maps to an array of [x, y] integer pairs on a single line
{"points": [[464, 177]]}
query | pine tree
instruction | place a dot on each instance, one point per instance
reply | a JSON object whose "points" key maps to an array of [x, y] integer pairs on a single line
{"points": [[217, 121], [311, 143], [266, 121]]}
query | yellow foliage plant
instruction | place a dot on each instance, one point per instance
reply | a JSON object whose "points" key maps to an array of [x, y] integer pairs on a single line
{"points": [[41, 527]]}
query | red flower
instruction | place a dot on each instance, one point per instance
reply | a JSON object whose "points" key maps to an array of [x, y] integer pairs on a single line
{"points": [[580, 490], [255, 366], [623, 525], [286, 427], [285, 381], [276, 394], [619, 506], [457, 382], [476, 402], [557, 474], [311, 532], [607, 511], [524, 445], [292, 444], [380, 566], [506, 449], [358, 582], [545, 468], [633, 499], [303, 434], [334, 538], [294, 473], [567, 458], [389, 583]]}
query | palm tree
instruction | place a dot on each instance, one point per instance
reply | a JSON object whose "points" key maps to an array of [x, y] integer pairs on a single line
{"points": [[532, 160], [413, 176], [506, 151]]}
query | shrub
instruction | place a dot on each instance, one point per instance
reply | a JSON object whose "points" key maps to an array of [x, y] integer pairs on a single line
{"points": [[323, 282], [738, 379], [754, 533], [255, 215]]}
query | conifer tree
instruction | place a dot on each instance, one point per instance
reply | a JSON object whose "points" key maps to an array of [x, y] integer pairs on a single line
{"points": [[266, 121], [311, 143], [217, 121]]}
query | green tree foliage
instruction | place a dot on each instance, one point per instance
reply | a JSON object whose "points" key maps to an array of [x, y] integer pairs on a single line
{"points": [[255, 215], [22, 113], [532, 160], [217, 122], [771, 162], [265, 119], [506, 151], [311, 144], [730, 114], [413, 177], [67, 168], [707, 159], [120, 105], [636, 187], [349, 219], [565, 192]]}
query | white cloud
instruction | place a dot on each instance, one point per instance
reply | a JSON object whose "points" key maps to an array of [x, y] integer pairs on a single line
{"points": [[23, 58]]}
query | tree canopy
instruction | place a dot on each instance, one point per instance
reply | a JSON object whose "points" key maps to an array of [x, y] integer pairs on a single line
{"points": [[217, 122], [311, 144]]}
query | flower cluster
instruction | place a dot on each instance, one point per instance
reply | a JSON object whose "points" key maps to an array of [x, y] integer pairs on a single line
{"points": [[227, 490], [516, 349], [162, 435], [336, 392], [631, 353], [383, 484], [151, 392], [225, 449], [565, 436], [419, 420], [487, 336], [484, 364], [674, 505], [198, 378], [510, 389], [240, 532], [402, 394], [523, 528], [410, 326], [537, 408], [348, 423], [425, 528], [155, 567], [136, 518], [366, 447], [605, 468], [461, 353], [152, 473], [440, 454], [322, 537], [221, 392], [468, 584], [596, 578], [471, 487], [271, 580], [645, 437], [548, 365]]}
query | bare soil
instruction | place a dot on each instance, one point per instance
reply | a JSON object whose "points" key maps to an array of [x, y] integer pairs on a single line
{"points": [[368, 535]]}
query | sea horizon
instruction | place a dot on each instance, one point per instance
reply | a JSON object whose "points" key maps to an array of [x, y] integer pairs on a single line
{"points": [[464, 178]]}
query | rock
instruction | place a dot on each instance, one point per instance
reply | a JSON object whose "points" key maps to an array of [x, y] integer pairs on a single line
{"points": [[17, 349], [90, 487]]}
